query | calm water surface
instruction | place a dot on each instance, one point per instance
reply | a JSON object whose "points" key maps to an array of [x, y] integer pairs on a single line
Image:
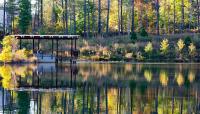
{"points": [[100, 88]]}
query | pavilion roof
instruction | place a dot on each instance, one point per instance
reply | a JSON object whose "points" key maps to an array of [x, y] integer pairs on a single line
{"points": [[63, 37]]}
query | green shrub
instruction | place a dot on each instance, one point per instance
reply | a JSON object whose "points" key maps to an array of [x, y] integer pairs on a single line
{"points": [[187, 41], [143, 32], [116, 57], [133, 37]]}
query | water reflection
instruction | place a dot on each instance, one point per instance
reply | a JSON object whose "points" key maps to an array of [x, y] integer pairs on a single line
{"points": [[100, 88]]}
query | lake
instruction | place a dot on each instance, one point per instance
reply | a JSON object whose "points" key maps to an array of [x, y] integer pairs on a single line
{"points": [[114, 88]]}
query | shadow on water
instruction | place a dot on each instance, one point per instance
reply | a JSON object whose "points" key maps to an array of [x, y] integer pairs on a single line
{"points": [[100, 88]]}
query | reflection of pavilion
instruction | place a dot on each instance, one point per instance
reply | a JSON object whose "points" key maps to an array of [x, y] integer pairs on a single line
{"points": [[6, 103], [48, 77]]}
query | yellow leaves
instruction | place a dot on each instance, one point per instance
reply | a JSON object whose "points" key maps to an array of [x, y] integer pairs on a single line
{"points": [[164, 78], [6, 54], [148, 48], [192, 49], [180, 45], [164, 45], [5, 72], [10, 51], [8, 41]]}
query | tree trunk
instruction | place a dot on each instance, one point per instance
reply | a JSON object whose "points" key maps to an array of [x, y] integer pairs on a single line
{"points": [[168, 18], [108, 14], [93, 19], [182, 15], [198, 13], [99, 16], [63, 15], [41, 6], [119, 17], [66, 16], [174, 23], [38, 14], [157, 16], [4, 15], [74, 16], [132, 16], [88, 33], [121, 7], [165, 26], [84, 10]]}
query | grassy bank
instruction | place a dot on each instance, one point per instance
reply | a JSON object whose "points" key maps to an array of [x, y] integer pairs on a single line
{"points": [[122, 48]]}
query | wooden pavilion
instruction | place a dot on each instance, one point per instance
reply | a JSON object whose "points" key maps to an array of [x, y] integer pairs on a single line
{"points": [[72, 38]]}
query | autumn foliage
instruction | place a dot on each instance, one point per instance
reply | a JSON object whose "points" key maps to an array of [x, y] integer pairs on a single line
{"points": [[10, 51]]}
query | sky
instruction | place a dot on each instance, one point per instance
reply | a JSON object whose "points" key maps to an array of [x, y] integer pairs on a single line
{"points": [[1, 1]]}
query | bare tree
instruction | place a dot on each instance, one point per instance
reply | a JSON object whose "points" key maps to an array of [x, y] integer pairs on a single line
{"points": [[41, 13], [119, 25], [99, 16], [88, 12], [121, 7], [174, 13], [84, 10], [132, 17], [108, 15], [198, 13], [157, 17], [182, 15], [66, 16], [74, 15]]}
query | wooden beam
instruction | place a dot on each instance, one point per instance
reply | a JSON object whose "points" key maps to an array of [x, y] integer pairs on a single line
{"points": [[59, 37]]}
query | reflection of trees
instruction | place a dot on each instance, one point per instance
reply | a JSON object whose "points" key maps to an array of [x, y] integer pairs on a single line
{"points": [[9, 74], [103, 93], [148, 75], [23, 102], [106, 99], [5, 72], [179, 78], [191, 76]]}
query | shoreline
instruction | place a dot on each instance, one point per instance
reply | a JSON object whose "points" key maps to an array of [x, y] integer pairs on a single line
{"points": [[99, 62]]}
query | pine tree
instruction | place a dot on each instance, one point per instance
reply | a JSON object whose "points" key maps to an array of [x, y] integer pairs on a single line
{"points": [[24, 15]]}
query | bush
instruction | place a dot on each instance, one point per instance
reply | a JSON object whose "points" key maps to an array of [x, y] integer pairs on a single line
{"points": [[187, 41], [133, 37], [10, 51], [143, 32], [87, 51], [164, 46], [116, 57]]}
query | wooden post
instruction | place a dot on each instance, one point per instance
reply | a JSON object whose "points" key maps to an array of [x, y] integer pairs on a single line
{"points": [[75, 44], [20, 44], [33, 48], [52, 48], [56, 50], [71, 50], [38, 46]]}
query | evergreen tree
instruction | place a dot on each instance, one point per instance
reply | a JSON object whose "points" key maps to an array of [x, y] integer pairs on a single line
{"points": [[24, 15]]}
